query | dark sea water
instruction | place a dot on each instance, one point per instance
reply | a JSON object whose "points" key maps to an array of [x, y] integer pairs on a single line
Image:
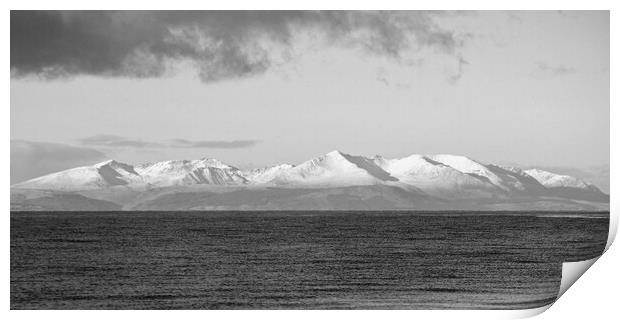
{"points": [[295, 260]]}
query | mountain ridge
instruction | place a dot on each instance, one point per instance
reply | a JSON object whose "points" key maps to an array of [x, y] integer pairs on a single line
{"points": [[335, 178]]}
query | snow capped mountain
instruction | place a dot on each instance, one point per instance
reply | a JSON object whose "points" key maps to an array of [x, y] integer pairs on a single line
{"points": [[471, 167], [268, 174], [101, 175], [552, 180], [508, 179], [435, 178], [331, 180], [190, 172], [112, 173], [516, 180], [334, 169]]}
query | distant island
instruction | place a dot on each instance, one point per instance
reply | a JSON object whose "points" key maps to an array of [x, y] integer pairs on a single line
{"points": [[334, 181]]}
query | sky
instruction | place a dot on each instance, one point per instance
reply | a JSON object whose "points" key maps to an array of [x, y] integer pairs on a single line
{"points": [[260, 88]]}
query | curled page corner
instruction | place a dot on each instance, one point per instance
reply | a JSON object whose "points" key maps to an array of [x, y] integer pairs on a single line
{"points": [[508, 314], [571, 271], [528, 313]]}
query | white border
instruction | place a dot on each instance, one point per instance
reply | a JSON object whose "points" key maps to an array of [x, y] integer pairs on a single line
{"points": [[593, 295]]}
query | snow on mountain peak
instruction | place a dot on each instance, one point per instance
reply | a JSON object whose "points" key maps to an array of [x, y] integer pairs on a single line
{"points": [[334, 169], [335, 153], [436, 178], [189, 172], [443, 175], [461, 163], [516, 179], [115, 165], [267, 174], [211, 162], [104, 163], [471, 167], [101, 175], [554, 180]]}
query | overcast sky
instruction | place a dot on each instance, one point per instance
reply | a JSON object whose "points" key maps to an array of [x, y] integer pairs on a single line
{"points": [[260, 88]]}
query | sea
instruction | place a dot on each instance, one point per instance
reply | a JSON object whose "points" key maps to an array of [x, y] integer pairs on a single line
{"points": [[296, 260]]}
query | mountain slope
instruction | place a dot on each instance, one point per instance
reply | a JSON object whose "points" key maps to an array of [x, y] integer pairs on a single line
{"points": [[333, 169], [517, 180], [471, 167], [552, 180], [335, 180], [112, 173], [568, 187], [189, 172], [436, 178], [267, 174], [101, 175]]}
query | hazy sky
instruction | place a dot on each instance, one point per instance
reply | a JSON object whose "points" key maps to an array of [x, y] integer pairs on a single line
{"points": [[259, 88]]}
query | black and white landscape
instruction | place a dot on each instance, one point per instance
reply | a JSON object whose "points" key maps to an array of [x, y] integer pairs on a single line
{"points": [[334, 181], [475, 158]]}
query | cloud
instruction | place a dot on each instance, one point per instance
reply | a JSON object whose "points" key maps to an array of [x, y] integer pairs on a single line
{"points": [[459, 72], [32, 159], [109, 140], [554, 70], [114, 141], [220, 44], [213, 144]]}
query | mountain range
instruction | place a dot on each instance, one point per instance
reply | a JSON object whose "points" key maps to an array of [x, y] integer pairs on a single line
{"points": [[334, 181]]}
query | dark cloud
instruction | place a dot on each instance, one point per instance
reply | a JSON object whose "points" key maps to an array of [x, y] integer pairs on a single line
{"points": [[554, 70], [221, 44], [32, 159], [213, 144], [109, 140]]}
